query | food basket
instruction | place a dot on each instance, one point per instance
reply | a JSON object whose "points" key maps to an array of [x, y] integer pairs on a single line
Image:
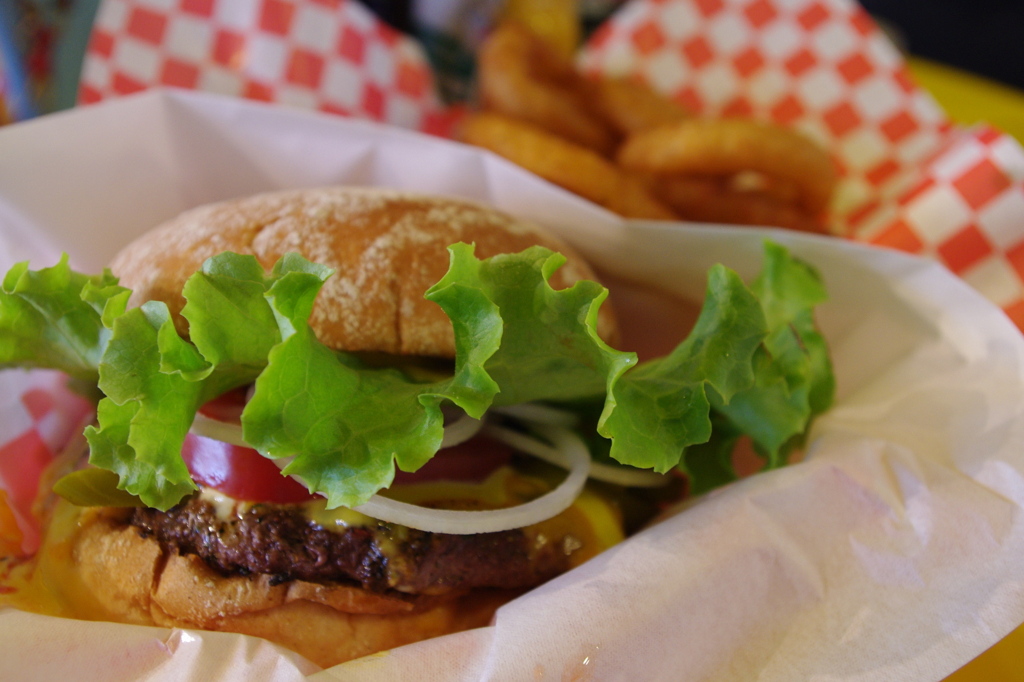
{"points": [[893, 552]]}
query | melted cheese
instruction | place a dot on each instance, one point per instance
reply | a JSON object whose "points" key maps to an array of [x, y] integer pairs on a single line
{"points": [[50, 584], [10, 535], [503, 488], [339, 519], [224, 506]]}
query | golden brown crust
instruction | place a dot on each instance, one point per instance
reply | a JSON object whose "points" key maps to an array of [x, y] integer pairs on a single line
{"points": [[563, 163], [136, 582], [101, 546], [521, 76], [386, 248], [724, 147], [631, 106]]}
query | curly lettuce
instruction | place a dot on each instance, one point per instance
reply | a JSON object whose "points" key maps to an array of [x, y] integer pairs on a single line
{"points": [[753, 365]]}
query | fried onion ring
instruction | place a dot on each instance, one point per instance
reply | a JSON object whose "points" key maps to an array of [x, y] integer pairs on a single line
{"points": [[630, 106], [717, 200], [521, 76], [779, 189], [563, 163], [723, 147]]}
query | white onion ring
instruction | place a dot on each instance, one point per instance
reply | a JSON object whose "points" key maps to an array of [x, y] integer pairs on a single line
{"points": [[460, 430], [628, 477], [226, 432], [465, 427], [571, 450], [636, 478], [524, 442], [533, 413]]}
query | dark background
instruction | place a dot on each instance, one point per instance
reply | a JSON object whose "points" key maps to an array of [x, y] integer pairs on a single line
{"points": [[985, 37]]}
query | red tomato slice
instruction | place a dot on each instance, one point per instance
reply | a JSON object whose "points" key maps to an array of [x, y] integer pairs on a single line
{"points": [[226, 408], [468, 462], [245, 474], [241, 473]]}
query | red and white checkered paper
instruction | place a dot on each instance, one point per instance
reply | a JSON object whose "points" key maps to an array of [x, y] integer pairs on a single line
{"points": [[912, 180], [46, 416], [327, 55]]}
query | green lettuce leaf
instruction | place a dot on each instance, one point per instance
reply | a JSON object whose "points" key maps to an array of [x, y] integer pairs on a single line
{"points": [[148, 409], [342, 422], [94, 487], [227, 297], [793, 372], [754, 364], [662, 407], [550, 349], [347, 425], [54, 318], [155, 380]]}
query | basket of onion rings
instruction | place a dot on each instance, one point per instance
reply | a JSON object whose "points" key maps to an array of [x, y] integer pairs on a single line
{"points": [[621, 144]]}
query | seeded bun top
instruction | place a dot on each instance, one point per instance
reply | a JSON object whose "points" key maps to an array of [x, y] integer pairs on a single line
{"points": [[386, 249]]}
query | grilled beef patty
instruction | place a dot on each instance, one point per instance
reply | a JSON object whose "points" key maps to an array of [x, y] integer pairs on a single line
{"points": [[282, 541]]}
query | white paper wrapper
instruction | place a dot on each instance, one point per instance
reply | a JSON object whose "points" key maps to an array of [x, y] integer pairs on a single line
{"points": [[894, 552]]}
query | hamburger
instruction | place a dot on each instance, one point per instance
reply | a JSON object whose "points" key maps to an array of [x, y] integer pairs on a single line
{"points": [[347, 419]]}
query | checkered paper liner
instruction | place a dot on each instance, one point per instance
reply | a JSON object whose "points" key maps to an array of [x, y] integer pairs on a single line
{"points": [[326, 55], [42, 416], [911, 179]]}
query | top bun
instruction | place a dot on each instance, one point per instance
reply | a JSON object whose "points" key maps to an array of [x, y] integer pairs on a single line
{"points": [[386, 249]]}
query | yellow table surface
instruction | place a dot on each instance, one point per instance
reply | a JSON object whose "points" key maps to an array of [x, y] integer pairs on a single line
{"points": [[969, 99]]}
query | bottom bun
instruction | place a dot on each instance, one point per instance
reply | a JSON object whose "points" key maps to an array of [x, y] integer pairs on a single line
{"points": [[135, 581]]}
